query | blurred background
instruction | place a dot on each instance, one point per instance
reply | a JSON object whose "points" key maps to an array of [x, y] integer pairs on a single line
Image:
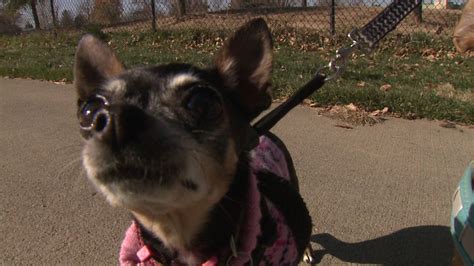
{"points": [[327, 16]]}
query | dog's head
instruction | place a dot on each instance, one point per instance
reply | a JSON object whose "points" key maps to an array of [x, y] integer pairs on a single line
{"points": [[167, 137]]}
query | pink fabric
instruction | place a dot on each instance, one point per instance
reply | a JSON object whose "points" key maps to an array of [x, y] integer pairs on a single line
{"points": [[132, 251], [266, 156]]}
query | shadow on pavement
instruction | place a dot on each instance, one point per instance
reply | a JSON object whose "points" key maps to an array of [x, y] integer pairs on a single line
{"points": [[422, 245]]}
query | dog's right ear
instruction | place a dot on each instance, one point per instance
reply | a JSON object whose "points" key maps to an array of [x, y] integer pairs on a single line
{"points": [[95, 62], [245, 64]]}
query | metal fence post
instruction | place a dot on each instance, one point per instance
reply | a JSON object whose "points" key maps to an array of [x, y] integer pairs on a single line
{"points": [[332, 18], [153, 13], [419, 14], [53, 13]]}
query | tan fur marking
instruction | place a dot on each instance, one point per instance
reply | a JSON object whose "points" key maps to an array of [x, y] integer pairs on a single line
{"points": [[227, 65], [178, 228], [263, 71], [182, 79], [116, 86], [227, 69]]}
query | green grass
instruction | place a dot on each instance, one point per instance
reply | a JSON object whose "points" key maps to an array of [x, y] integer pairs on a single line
{"points": [[416, 67]]}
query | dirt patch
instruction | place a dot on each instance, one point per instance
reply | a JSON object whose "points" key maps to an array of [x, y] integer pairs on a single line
{"points": [[350, 114]]}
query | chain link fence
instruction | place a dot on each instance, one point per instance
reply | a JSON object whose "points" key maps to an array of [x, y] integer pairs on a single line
{"points": [[324, 16]]}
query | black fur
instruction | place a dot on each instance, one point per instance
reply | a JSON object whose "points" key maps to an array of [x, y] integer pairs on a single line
{"points": [[287, 199]]}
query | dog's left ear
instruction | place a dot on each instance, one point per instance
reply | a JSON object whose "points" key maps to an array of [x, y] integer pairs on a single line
{"points": [[95, 62], [245, 65]]}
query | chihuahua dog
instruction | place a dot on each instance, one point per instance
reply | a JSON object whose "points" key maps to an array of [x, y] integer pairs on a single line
{"points": [[173, 144]]}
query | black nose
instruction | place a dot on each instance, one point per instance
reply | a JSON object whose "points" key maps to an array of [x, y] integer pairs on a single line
{"points": [[103, 127], [119, 125], [101, 121]]}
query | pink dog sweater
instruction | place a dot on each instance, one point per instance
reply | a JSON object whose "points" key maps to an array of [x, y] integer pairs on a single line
{"points": [[265, 157]]}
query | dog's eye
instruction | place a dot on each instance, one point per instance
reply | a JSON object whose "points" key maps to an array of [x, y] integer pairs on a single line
{"points": [[204, 103], [89, 108]]}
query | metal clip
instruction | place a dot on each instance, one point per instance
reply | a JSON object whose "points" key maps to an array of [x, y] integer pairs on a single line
{"points": [[235, 254], [338, 64], [233, 247]]}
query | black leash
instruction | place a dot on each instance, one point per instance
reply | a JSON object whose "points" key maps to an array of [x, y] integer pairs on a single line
{"points": [[385, 22], [269, 120], [364, 39]]}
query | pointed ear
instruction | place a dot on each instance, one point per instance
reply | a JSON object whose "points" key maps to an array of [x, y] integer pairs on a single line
{"points": [[245, 65], [95, 62]]}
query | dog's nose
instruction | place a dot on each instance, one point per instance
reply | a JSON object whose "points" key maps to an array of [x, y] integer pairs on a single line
{"points": [[119, 125], [101, 121], [102, 126], [94, 116], [113, 124]]}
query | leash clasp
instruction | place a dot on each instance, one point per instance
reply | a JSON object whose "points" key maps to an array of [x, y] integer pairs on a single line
{"points": [[234, 253], [338, 64]]}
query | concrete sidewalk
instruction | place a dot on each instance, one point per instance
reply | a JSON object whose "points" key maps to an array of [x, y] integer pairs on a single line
{"points": [[377, 195]]}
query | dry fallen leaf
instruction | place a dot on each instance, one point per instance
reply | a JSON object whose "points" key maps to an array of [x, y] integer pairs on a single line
{"points": [[361, 84], [60, 82], [375, 113], [385, 87], [344, 126], [451, 55], [411, 116], [448, 124], [307, 102], [401, 52], [351, 107], [379, 112], [431, 58], [335, 109], [428, 52]]}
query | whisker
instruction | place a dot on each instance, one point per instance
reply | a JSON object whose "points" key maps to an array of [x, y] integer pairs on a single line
{"points": [[196, 149], [58, 149], [145, 173], [68, 165], [194, 152], [231, 199]]}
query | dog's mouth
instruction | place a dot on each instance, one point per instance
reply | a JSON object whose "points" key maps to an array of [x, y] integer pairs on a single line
{"points": [[163, 182], [160, 174], [109, 167]]}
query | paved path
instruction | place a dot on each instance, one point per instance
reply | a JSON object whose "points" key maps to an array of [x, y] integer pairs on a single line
{"points": [[377, 194]]}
